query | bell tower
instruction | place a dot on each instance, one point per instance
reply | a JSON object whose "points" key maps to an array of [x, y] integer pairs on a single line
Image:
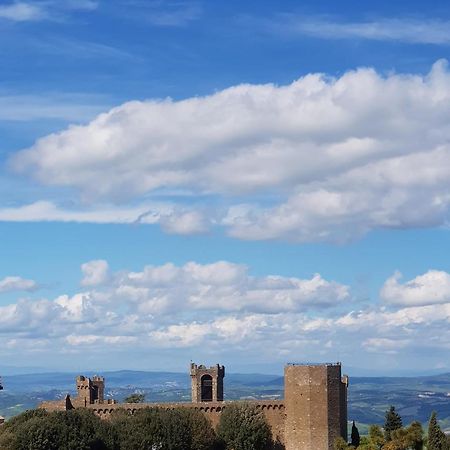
{"points": [[207, 384]]}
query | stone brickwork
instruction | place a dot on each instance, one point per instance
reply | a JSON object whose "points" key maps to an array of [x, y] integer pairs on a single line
{"points": [[207, 384], [314, 397], [89, 391], [311, 416]]}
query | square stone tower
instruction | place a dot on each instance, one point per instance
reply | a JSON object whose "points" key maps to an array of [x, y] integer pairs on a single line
{"points": [[90, 391], [207, 384], [315, 398]]}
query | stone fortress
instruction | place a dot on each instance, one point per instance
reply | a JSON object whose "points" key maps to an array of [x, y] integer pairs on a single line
{"points": [[311, 416]]}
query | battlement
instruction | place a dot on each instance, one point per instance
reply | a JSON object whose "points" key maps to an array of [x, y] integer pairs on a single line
{"points": [[311, 416]]}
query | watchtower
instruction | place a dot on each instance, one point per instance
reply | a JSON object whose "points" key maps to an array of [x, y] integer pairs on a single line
{"points": [[315, 398], [207, 384], [90, 391]]}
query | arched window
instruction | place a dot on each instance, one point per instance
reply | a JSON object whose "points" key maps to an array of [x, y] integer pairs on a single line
{"points": [[207, 388]]}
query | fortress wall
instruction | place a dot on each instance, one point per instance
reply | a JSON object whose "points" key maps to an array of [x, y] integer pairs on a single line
{"points": [[311, 416], [53, 405], [274, 411]]}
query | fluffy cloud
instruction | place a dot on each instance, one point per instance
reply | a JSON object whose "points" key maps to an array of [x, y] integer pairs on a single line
{"points": [[322, 159], [95, 272], [136, 302], [223, 286], [430, 288], [219, 308], [9, 284]]}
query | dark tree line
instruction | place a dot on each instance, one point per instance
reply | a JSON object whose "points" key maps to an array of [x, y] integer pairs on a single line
{"points": [[241, 427]]}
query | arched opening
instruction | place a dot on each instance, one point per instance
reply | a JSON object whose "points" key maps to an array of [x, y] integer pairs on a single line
{"points": [[207, 388]]}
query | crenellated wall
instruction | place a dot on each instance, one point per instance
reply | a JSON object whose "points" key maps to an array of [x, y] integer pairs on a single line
{"points": [[311, 416]]}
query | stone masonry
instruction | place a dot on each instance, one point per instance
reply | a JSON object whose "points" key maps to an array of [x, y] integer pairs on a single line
{"points": [[207, 384], [311, 416]]}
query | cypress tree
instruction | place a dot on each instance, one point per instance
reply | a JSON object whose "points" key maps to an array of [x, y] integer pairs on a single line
{"points": [[355, 436], [436, 438], [393, 422]]}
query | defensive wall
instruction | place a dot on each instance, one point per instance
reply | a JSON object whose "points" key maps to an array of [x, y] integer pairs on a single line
{"points": [[311, 416]]}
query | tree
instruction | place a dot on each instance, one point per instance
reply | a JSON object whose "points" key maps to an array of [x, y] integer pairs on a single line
{"points": [[340, 444], [243, 427], [376, 436], [436, 438], [393, 422], [355, 436], [62, 430], [415, 436], [134, 398], [202, 432], [158, 429]]}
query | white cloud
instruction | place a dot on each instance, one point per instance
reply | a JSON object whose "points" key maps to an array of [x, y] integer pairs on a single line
{"points": [[26, 11], [14, 283], [138, 302], [219, 309], [431, 288], [431, 31], [22, 12], [172, 219], [322, 159], [190, 222], [227, 329], [95, 272], [224, 286]]}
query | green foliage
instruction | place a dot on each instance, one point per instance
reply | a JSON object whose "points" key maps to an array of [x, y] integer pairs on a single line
{"points": [[340, 444], [393, 422], [415, 433], [244, 427], [355, 436], [80, 429], [68, 430], [374, 441], [436, 437], [154, 428], [410, 438], [134, 398]]}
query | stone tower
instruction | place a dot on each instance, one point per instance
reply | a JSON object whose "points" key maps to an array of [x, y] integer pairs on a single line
{"points": [[316, 406], [207, 384], [90, 391]]}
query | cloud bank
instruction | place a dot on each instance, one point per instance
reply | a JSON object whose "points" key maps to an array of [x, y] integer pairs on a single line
{"points": [[220, 307], [322, 159]]}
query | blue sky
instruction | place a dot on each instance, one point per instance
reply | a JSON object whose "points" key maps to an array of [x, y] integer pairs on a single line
{"points": [[248, 184]]}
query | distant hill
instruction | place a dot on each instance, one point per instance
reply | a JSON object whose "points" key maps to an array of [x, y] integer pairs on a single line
{"points": [[369, 397]]}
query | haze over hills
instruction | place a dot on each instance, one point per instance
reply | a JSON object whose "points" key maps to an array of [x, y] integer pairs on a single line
{"points": [[414, 397]]}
